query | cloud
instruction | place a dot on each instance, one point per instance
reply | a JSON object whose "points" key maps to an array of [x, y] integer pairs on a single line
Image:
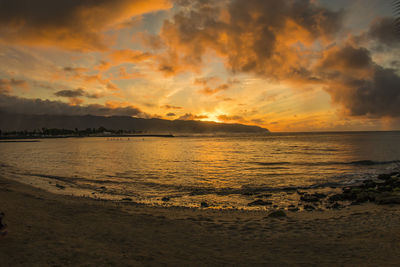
{"points": [[339, 62], [211, 86], [358, 84], [383, 30], [206, 80], [6, 85], [14, 104], [287, 41], [190, 116], [171, 107], [171, 114], [75, 69], [269, 38], [230, 118], [70, 93], [75, 93], [128, 56], [77, 74], [211, 91], [103, 65], [68, 24]]}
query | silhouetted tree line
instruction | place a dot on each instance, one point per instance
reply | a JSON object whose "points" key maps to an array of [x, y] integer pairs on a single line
{"points": [[67, 132]]}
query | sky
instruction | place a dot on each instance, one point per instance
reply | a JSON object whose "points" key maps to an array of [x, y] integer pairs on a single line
{"points": [[295, 65]]}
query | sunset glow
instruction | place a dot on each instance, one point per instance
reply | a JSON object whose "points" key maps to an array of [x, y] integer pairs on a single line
{"points": [[283, 65]]}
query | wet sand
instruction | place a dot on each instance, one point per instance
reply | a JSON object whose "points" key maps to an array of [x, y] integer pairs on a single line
{"points": [[56, 230]]}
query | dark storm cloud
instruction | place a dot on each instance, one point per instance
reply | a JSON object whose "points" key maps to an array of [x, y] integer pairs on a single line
{"points": [[69, 24], [383, 30], [14, 104], [348, 58], [70, 93], [359, 85], [190, 116], [75, 93]]}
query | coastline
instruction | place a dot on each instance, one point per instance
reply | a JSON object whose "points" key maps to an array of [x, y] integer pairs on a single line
{"points": [[22, 137], [51, 229]]}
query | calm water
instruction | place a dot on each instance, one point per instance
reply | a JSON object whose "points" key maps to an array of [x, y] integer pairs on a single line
{"points": [[224, 171]]}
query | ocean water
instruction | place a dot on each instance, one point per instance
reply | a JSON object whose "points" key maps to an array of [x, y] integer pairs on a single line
{"points": [[225, 172]]}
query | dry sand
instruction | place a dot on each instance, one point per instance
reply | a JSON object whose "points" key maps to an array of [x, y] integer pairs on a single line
{"points": [[48, 229]]}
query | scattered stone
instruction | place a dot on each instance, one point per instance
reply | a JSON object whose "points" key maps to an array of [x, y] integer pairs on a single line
{"points": [[384, 188], [369, 184], [259, 202], [385, 199], [336, 206], [165, 199], [293, 209], [309, 198], [204, 204], [309, 207], [319, 195], [265, 195], [60, 186], [3, 227], [384, 176], [277, 214], [300, 193], [336, 197], [347, 190], [103, 187], [248, 193], [127, 199]]}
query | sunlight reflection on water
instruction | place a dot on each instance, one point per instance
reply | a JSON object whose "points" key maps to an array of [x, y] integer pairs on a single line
{"points": [[188, 170]]}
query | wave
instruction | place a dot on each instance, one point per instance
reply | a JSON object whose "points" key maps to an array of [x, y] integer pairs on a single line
{"points": [[371, 162], [271, 163], [327, 163]]}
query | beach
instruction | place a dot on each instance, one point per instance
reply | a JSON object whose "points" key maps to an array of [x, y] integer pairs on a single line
{"points": [[46, 229]]}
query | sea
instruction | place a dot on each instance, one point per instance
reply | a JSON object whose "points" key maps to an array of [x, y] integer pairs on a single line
{"points": [[222, 172]]}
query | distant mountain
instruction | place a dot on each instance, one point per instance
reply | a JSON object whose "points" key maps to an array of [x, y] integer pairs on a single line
{"points": [[20, 122]]}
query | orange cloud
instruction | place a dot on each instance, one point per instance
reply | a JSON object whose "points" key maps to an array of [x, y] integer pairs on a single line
{"points": [[211, 91], [227, 118], [74, 101], [211, 86], [171, 107], [6, 85], [267, 38], [72, 25], [87, 80], [103, 66], [128, 56]]}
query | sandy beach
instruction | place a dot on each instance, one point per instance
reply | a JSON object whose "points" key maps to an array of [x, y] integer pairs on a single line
{"points": [[48, 229]]}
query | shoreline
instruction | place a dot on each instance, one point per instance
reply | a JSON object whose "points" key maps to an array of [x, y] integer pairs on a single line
{"points": [[51, 229], [4, 138], [380, 189]]}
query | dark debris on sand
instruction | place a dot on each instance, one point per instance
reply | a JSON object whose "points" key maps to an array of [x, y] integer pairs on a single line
{"points": [[3, 227]]}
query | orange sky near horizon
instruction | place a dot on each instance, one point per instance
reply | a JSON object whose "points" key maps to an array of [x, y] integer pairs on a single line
{"points": [[295, 65]]}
